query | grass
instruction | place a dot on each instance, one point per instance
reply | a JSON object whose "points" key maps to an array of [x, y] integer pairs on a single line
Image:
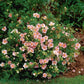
{"points": [[61, 80]]}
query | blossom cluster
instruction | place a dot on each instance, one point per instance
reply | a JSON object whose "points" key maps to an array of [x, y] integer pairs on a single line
{"points": [[41, 50]]}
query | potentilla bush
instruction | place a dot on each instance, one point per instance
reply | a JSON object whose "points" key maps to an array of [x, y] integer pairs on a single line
{"points": [[42, 49]]}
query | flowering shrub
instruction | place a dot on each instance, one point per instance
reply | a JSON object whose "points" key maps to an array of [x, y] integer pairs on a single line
{"points": [[41, 50]]}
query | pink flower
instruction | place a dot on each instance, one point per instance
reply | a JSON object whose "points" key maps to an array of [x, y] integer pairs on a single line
{"points": [[12, 66], [56, 52], [4, 28], [4, 52], [46, 27], [50, 40], [26, 44], [64, 45], [44, 30], [44, 47], [42, 40], [41, 61], [45, 60], [22, 35], [21, 39], [64, 62], [67, 59], [14, 53], [25, 65], [43, 67], [9, 62], [54, 62], [50, 45], [75, 54], [53, 28], [44, 75], [24, 55], [60, 44], [60, 52], [51, 24], [64, 55], [19, 21], [57, 48], [2, 64], [77, 46], [36, 29], [31, 50], [46, 37], [44, 17], [22, 49], [36, 15], [16, 45], [10, 15], [38, 26], [4, 41], [30, 63], [43, 25]]}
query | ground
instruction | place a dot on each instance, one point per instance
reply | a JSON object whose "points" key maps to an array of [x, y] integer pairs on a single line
{"points": [[77, 67]]}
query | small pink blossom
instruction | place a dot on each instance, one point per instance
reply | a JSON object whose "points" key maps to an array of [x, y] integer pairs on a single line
{"points": [[41, 61], [57, 48], [56, 52], [51, 24], [31, 50], [77, 46], [50, 40], [53, 28], [44, 75], [75, 54], [38, 26], [44, 30], [4, 41], [64, 62], [9, 62], [60, 44], [43, 25], [21, 39], [2, 64], [44, 17], [64, 45], [36, 15], [4, 28], [12, 66], [14, 53], [42, 40], [50, 45], [46, 60], [64, 55], [54, 62], [22, 49], [22, 35], [44, 47], [46, 37], [10, 15], [43, 67], [4, 52], [73, 70], [25, 65]]}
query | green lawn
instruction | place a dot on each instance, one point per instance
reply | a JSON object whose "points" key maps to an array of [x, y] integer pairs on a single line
{"points": [[61, 80]]}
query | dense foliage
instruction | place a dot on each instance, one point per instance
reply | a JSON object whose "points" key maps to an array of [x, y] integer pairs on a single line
{"points": [[34, 45]]}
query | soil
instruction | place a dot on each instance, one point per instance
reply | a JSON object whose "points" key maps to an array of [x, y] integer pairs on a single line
{"points": [[77, 67]]}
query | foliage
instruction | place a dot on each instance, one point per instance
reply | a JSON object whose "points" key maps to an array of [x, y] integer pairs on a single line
{"points": [[69, 12], [36, 47]]}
